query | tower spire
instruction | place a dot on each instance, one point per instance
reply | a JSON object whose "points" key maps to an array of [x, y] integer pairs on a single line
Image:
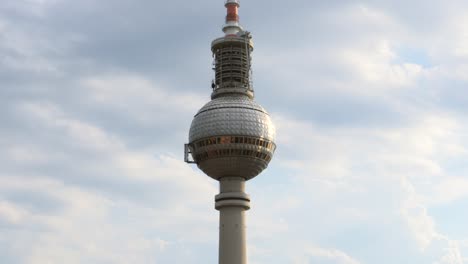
{"points": [[232, 26]]}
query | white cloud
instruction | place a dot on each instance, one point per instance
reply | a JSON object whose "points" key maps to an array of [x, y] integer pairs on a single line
{"points": [[140, 97], [415, 213], [446, 190], [314, 254], [12, 213], [91, 221], [453, 254], [331, 167]]}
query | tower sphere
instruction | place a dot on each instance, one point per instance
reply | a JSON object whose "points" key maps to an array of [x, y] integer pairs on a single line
{"points": [[232, 136]]}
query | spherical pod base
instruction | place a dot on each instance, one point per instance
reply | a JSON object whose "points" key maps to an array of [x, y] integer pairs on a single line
{"points": [[244, 167]]}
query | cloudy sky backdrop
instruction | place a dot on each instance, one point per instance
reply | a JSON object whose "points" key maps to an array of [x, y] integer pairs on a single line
{"points": [[370, 99]]}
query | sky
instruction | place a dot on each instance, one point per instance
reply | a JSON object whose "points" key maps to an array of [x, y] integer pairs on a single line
{"points": [[370, 101]]}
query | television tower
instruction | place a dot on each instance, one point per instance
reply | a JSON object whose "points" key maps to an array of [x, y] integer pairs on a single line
{"points": [[231, 138]]}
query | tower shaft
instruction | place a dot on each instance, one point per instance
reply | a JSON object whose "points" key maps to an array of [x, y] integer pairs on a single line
{"points": [[232, 202]]}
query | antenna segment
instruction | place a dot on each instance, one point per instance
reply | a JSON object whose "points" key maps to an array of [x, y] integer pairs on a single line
{"points": [[232, 26]]}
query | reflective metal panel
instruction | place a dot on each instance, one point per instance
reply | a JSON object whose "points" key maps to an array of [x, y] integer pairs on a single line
{"points": [[236, 115]]}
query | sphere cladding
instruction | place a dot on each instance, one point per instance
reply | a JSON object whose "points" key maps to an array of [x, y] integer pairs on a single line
{"points": [[232, 136]]}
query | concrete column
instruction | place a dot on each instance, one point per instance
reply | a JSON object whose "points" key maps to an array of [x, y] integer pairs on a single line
{"points": [[232, 202]]}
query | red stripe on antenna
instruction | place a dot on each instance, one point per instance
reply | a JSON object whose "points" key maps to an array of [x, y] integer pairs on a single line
{"points": [[232, 12]]}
